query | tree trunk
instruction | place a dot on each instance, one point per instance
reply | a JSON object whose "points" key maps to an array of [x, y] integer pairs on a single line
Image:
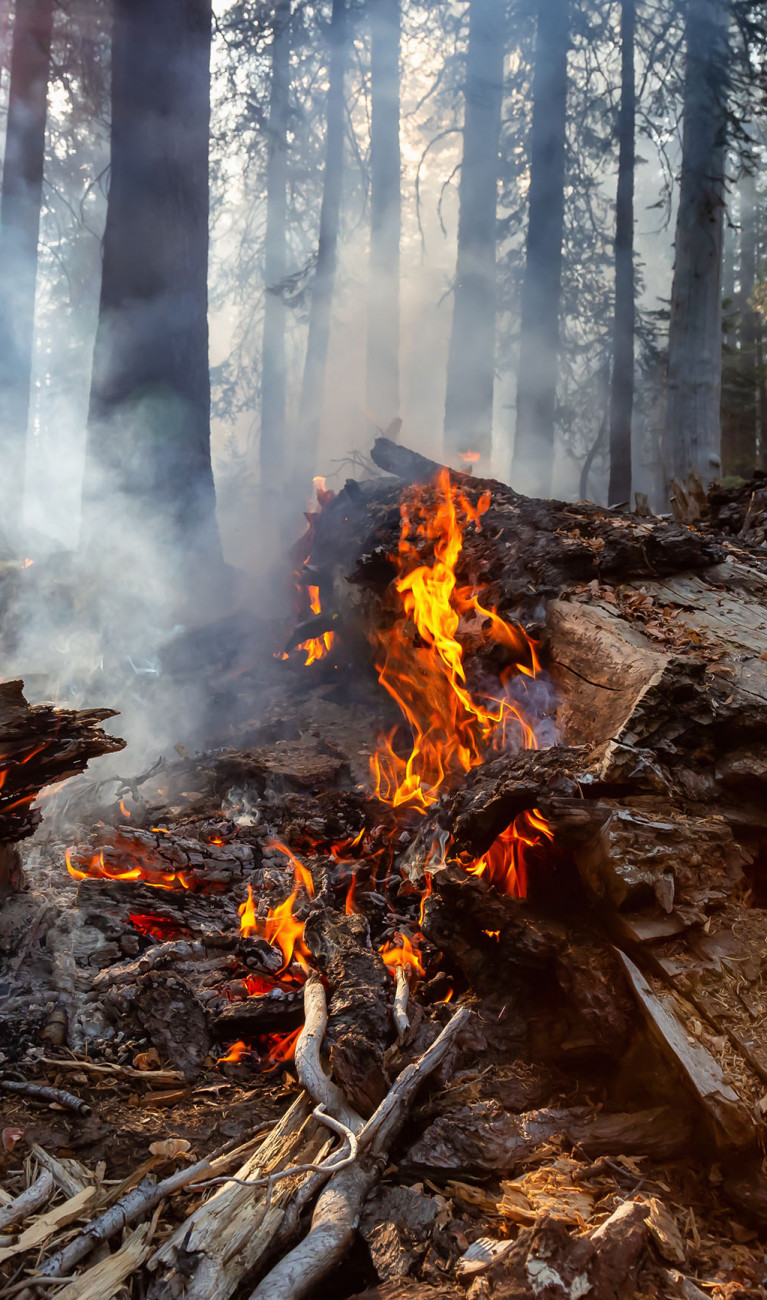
{"points": [[471, 362], [541, 290], [385, 212], [695, 340], [273, 379], [739, 437], [148, 464], [622, 388], [313, 383], [19, 229]]}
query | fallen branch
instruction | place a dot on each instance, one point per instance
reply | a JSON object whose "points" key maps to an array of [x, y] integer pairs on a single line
{"points": [[312, 1076], [335, 1217], [36, 1195], [41, 1092], [121, 1071], [399, 1010]]}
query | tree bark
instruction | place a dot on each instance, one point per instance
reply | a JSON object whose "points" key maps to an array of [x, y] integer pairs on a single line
{"points": [[273, 380], [622, 387], [19, 230], [471, 362], [318, 342], [385, 212], [693, 440], [541, 290], [148, 463], [739, 436]]}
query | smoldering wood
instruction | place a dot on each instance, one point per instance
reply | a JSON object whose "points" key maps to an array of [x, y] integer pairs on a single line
{"points": [[360, 1004], [41, 746]]}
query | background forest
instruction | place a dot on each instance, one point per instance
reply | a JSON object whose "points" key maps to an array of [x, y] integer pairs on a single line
{"points": [[532, 229]]}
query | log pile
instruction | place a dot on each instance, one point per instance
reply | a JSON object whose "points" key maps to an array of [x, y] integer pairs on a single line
{"points": [[278, 1031]]}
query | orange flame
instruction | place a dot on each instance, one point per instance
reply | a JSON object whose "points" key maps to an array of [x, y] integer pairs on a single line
{"points": [[420, 659], [280, 927], [123, 860], [404, 954], [317, 646], [235, 1053], [125, 812], [247, 915], [469, 457], [350, 904], [284, 1049], [504, 864]]}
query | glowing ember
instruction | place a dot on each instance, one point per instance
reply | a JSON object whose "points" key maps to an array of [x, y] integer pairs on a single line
{"points": [[403, 954], [469, 457], [161, 928], [420, 659], [235, 1053], [125, 812]]}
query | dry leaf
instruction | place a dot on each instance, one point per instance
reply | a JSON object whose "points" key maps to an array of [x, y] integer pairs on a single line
{"points": [[149, 1060], [665, 1233], [10, 1137], [170, 1147]]}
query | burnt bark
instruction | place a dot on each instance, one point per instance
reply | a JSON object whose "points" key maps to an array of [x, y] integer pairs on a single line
{"points": [[385, 211], [622, 386], [471, 361], [273, 378], [695, 345], [19, 230], [318, 342], [148, 463], [541, 290]]}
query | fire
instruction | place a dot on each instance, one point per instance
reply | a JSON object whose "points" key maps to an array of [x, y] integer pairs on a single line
{"points": [[247, 915], [317, 646], [283, 1048], [420, 659], [405, 954], [350, 904], [235, 1053], [281, 928], [424, 896], [469, 457], [125, 812], [123, 866], [504, 864]]}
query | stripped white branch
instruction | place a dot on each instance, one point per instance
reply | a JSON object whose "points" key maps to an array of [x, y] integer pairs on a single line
{"points": [[36, 1195], [335, 1216], [312, 1076], [399, 1010]]}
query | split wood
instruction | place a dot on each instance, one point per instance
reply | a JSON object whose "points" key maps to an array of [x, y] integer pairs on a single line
{"points": [[135, 1205]]}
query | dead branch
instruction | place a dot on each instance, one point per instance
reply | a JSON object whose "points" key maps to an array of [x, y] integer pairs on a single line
{"points": [[337, 1210], [41, 1092], [312, 1076], [35, 1196], [399, 1010]]}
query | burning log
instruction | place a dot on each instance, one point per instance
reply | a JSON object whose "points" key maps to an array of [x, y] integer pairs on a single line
{"points": [[39, 746]]}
